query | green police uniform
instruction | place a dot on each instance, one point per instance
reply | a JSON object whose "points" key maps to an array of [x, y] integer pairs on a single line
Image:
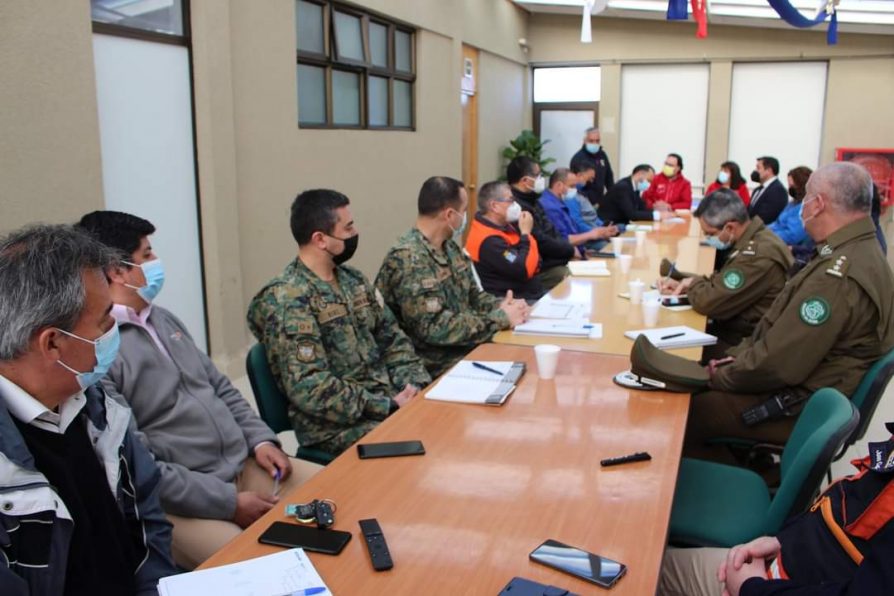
{"points": [[830, 323], [336, 353], [435, 298], [736, 297]]}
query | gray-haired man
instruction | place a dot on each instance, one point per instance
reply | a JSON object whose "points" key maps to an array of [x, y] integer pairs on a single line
{"points": [[80, 505], [737, 296], [593, 153]]}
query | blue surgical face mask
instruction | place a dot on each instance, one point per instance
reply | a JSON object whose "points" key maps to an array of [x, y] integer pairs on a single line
{"points": [[723, 177], [571, 193], [592, 148], [154, 273], [716, 242], [642, 185], [105, 348]]}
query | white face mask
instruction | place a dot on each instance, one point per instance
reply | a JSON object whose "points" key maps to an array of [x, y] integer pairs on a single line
{"points": [[513, 212], [571, 193], [540, 184], [801, 213]]}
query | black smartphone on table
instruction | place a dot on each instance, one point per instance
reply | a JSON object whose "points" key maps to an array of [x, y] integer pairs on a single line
{"points": [[396, 449], [675, 301], [330, 542], [597, 570]]}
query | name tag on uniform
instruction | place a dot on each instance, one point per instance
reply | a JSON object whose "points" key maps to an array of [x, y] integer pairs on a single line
{"points": [[331, 312], [361, 301]]}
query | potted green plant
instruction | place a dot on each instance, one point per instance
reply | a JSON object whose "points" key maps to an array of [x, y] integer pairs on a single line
{"points": [[530, 145]]}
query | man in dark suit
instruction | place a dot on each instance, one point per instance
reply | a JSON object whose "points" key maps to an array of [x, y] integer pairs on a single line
{"points": [[770, 197], [623, 203], [593, 153]]}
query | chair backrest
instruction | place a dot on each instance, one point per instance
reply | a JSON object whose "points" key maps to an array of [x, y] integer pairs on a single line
{"points": [[869, 393], [824, 425], [272, 404]]}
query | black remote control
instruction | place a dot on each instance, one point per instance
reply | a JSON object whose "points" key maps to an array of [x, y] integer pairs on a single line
{"points": [[616, 461], [375, 542], [323, 514]]}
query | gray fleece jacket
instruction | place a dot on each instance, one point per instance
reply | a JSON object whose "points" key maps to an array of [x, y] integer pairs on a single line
{"points": [[197, 425]]}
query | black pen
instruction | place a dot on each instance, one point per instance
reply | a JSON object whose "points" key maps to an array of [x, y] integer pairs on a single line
{"points": [[487, 368], [673, 335]]}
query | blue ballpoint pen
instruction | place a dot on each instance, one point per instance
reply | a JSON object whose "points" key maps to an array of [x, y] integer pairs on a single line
{"points": [[309, 591], [487, 368]]}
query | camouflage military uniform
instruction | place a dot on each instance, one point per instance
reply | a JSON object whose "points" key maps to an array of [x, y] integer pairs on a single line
{"points": [[335, 352], [736, 297], [829, 324], [436, 300]]}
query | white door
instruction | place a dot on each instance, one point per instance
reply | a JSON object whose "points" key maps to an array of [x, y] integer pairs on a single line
{"points": [[148, 163]]}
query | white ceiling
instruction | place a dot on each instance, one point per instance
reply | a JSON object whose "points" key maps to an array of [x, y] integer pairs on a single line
{"points": [[854, 16]]}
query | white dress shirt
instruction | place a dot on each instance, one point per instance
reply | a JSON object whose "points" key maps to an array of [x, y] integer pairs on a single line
{"points": [[30, 411]]}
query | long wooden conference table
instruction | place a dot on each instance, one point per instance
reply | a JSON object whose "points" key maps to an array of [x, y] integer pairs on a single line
{"points": [[496, 482], [677, 242]]}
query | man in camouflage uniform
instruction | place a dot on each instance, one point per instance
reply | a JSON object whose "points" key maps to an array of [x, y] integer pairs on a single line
{"points": [[335, 351], [830, 323], [737, 296], [428, 282]]}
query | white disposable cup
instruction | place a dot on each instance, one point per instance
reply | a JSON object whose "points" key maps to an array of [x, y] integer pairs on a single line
{"points": [[640, 237], [617, 245], [651, 309], [625, 261], [637, 288], [547, 360]]}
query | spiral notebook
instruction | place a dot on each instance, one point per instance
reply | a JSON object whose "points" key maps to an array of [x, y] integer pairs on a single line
{"points": [[488, 383]]}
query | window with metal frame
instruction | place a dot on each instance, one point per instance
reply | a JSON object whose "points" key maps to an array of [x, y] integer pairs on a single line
{"points": [[354, 69]]}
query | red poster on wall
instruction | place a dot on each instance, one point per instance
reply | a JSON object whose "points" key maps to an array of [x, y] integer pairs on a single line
{"points": [[880, 165]]}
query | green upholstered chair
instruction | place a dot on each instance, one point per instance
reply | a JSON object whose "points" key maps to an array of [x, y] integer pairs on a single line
{"points": [[869, 393], [272, 404], [720, 505]]}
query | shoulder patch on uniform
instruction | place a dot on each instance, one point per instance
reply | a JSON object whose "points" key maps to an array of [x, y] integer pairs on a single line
{"points": [[433, 304], [814, 311], [733, 279], [306, 351]]}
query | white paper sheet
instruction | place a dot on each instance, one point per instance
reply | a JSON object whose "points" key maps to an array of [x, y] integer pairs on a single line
{"points": [[285, 573]]}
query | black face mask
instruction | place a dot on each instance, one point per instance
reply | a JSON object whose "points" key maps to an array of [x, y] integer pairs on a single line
{"points": [[755, 177], [350, 248]]}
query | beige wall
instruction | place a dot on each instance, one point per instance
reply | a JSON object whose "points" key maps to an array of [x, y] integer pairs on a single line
{"points": [[49, 128], [860, 81], [261, 159], [503, 112]]}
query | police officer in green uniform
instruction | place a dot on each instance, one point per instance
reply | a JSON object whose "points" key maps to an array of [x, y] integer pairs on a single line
{"points": [[737, 296], [428, 283], [335, 350], [830, 323]]}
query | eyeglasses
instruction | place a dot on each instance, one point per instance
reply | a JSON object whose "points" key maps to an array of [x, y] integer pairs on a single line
{"points": [[504, 200]]}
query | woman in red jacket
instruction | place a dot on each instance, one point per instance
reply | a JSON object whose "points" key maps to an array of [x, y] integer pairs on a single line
{"points": [[669, 189], [730, 177]]}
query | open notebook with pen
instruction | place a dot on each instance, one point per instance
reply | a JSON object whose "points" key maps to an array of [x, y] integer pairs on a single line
{"points": [[475, 382]]}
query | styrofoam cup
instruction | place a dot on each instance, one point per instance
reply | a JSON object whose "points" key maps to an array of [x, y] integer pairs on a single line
{"points": [[637, 288], [651, 308], [640, 237], [547, 359], [617, 245], [625, 261]]}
